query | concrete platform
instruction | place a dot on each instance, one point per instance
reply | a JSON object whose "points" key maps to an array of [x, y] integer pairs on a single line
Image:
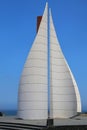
{"points": [[13, 122], [14, 119]]}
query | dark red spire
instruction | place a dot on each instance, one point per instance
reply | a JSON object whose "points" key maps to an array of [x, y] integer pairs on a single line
{"points": [[39, 18]]}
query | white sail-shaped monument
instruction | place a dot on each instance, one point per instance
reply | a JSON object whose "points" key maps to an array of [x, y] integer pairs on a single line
{"points": [[46, 69], [33, 90], [64, 95]]}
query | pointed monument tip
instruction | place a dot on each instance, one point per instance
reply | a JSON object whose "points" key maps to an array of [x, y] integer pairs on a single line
{"points": [[50, 9], [46, 3]]}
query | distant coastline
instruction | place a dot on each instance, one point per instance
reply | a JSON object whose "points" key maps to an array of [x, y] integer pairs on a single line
{"points": [[9, 112]]}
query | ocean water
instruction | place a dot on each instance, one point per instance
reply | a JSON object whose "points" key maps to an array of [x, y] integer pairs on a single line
{"points": [[10, 112], [14, 112]]}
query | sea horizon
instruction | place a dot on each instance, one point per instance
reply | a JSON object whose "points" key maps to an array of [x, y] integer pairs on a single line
{"points": [[9, 112], [13, 112]]}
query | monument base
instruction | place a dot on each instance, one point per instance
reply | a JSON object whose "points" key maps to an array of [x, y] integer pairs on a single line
{"points": [[49, 122]]}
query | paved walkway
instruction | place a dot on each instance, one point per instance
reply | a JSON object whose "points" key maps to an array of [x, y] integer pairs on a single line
{"points": [[12, 122]]}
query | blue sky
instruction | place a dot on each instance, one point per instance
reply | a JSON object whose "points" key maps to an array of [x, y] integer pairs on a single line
{"points": [[18, 30]]}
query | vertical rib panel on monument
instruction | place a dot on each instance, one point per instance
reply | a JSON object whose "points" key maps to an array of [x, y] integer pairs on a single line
{"points": [[33, 89]]}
